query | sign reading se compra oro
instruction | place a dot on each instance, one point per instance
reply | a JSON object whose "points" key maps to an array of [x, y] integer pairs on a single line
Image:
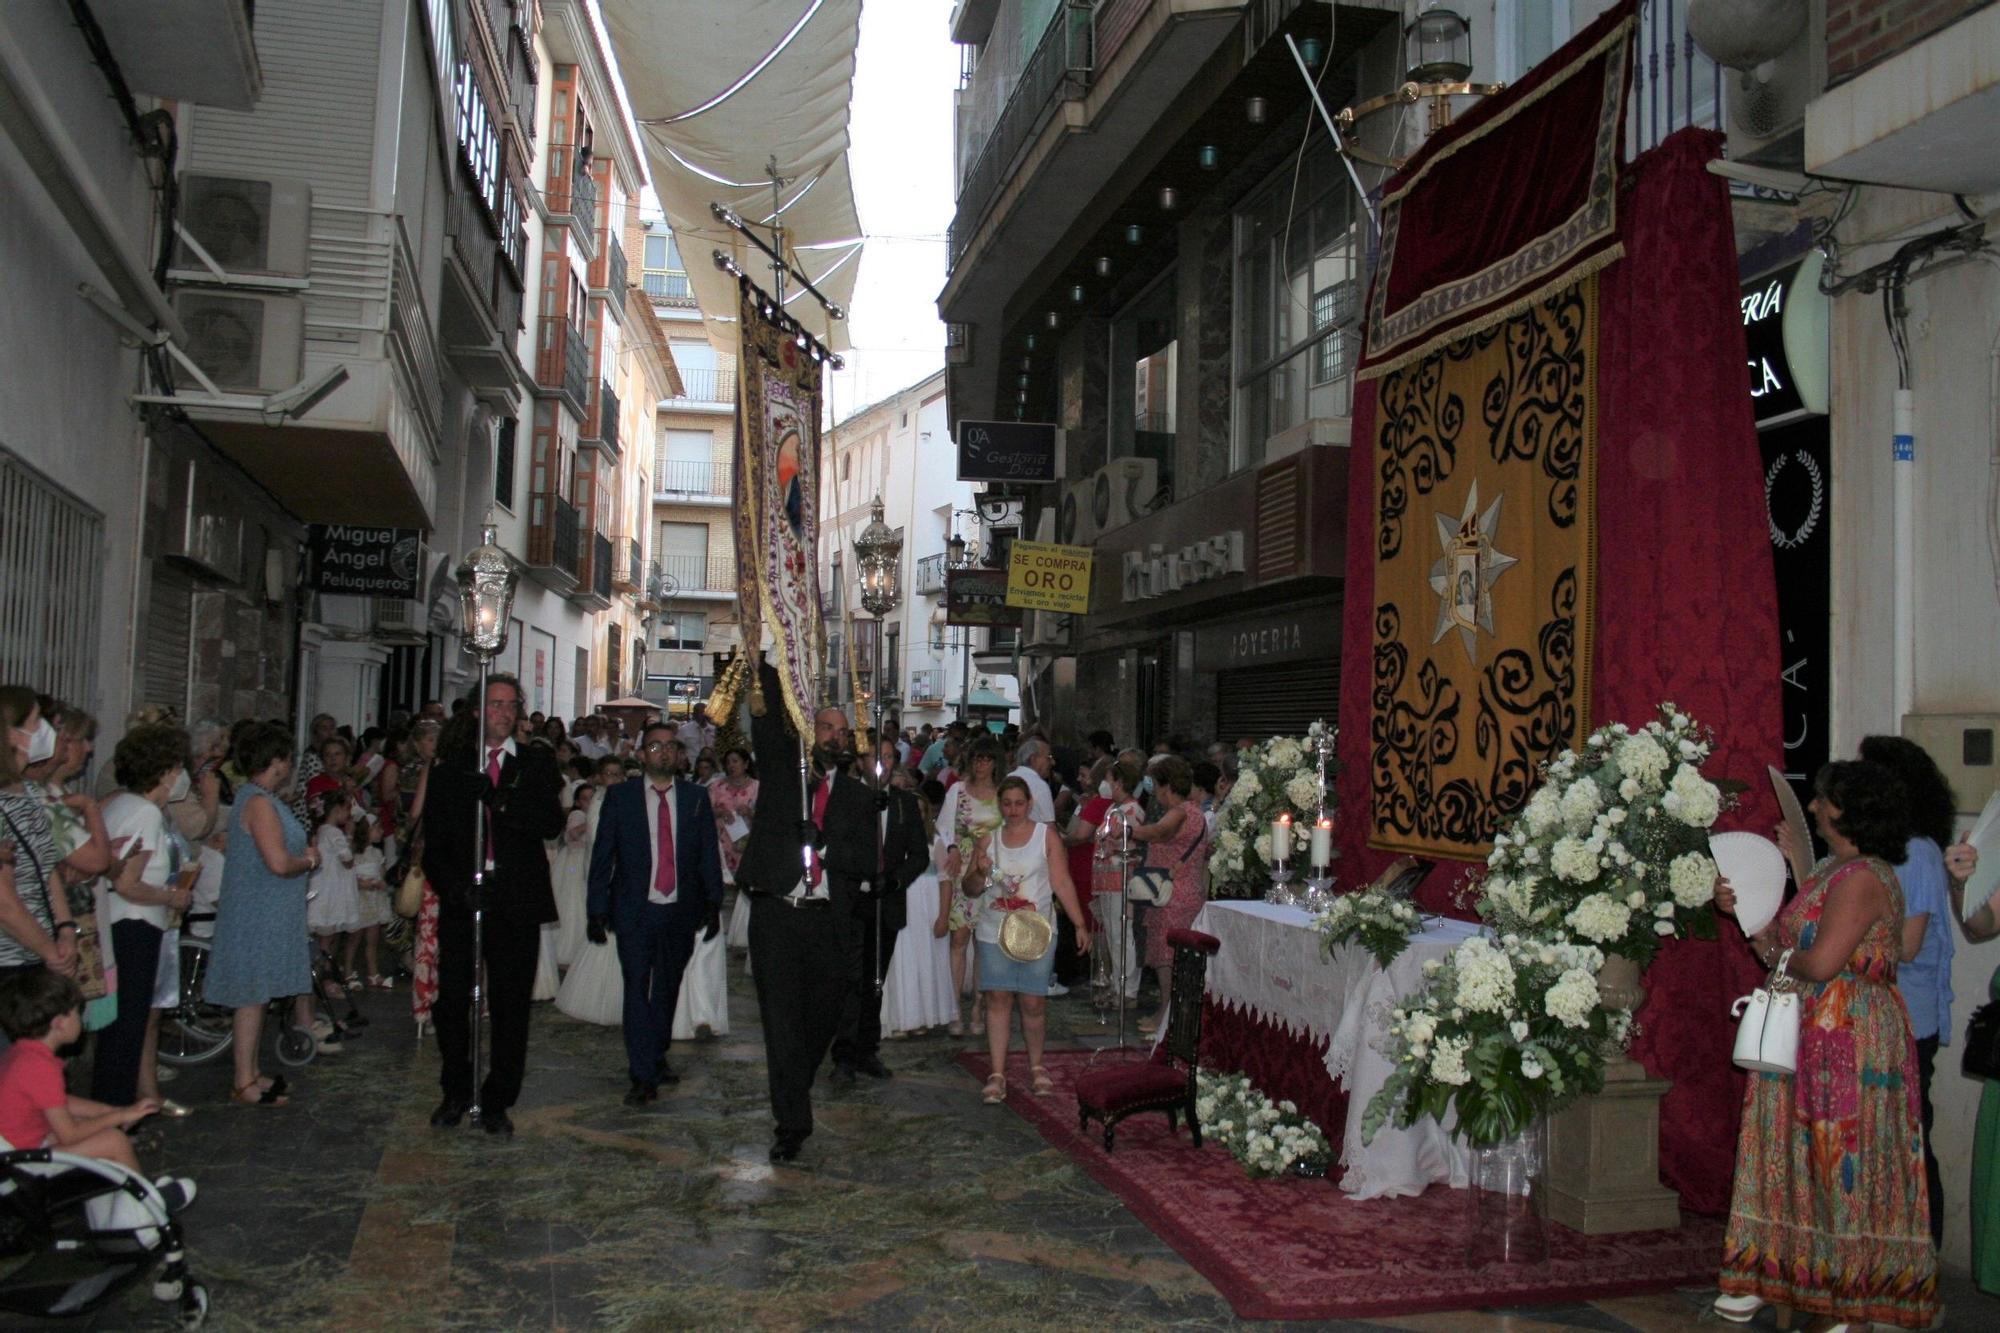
{"points": [[1043, 576]]}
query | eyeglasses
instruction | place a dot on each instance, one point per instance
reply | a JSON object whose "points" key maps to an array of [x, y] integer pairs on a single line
{"points": [[653, 746]]}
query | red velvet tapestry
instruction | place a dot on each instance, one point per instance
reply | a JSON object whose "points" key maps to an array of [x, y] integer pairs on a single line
{"points": [[1686, 603]]}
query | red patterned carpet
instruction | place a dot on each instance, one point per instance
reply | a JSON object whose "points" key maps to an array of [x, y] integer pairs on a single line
{"points": [[1300, 1249]]}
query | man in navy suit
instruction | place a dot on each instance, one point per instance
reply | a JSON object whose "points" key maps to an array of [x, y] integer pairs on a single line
{"points": [[655, 878]]}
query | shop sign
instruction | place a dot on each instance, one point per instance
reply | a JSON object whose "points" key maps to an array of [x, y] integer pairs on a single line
{"points": [[1045, 576], [1007, 451], [1289, 634], [1155, 571], [1773, 392], [356, 561], [978, 597]]}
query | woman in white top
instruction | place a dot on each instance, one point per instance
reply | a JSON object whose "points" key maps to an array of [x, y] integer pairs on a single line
{"points": [[1020, 867], [151, 764]]}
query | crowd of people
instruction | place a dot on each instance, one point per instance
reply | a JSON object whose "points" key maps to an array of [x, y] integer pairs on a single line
{"points": [[938, 880]]}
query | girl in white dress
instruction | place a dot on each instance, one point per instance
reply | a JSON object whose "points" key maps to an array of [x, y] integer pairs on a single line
{"points": [[371, 880], [917, 993], [594, 988], [702, 1008], [333, 904], [571, 872]]}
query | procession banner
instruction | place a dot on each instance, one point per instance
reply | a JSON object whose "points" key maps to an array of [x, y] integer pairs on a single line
{"points": [[1483, 346], [777, 506], [1045, 576]]}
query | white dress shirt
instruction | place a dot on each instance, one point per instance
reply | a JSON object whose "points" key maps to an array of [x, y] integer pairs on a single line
{"points": [[654, 796]]}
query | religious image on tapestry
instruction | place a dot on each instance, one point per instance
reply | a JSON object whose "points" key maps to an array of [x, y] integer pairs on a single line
{"points": [[1484, 573], [777, 505]]}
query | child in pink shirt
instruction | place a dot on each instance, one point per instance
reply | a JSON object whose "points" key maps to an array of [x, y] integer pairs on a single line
{"points": [[42, 1011]]}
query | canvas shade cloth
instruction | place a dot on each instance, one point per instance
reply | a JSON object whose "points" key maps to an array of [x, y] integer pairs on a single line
{"points": [[1270, 966], [678, 58]]}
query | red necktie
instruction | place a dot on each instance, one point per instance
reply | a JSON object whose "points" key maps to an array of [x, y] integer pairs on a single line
{"points": [[493, 776], [663, 868], [819, 818]]}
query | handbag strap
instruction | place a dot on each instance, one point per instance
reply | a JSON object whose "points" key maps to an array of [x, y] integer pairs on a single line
{"points": [[21, 842]]}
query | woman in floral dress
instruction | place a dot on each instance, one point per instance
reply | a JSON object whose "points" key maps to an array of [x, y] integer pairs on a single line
{"points": [[1174, 843], [971, 810], [1830, 1212], [733, 796]]}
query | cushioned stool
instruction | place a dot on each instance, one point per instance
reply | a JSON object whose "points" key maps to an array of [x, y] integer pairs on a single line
{"points": [[1167, 1081]]}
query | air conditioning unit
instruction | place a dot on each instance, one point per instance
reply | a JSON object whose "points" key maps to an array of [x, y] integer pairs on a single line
{"points": [[1121, 491], [250, 226], [1776, 64], [926, 685], [398, 620], [246, 342]]}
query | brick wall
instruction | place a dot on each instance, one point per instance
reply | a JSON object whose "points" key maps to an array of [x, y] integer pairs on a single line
{"points": [[1860, 33]]}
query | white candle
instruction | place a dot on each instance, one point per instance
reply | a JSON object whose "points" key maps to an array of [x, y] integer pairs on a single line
{"points": [[1281, 840], [1322, 849]]}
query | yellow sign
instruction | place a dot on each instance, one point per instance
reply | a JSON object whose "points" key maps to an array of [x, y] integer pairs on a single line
{"points": [[1042, 576]]}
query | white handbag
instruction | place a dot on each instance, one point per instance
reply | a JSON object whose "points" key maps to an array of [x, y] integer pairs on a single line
{"points": [[1767, 1042]]}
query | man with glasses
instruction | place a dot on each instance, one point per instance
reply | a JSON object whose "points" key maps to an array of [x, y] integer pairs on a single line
{"points": [[515, 789], [655, 878]]}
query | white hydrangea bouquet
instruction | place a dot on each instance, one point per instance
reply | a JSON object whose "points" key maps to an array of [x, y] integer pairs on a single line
{"points": [[1268, 1138], [1503, 1031], [1382, 921], [1278, 777], [1612, 848]]}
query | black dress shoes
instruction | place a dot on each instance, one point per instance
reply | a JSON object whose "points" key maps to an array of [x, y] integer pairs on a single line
{"points": [[641, 1092], [497, 1124], [664, 1073], [873, 1067], [785, 1148], [841, 1074], [449, 1112]]}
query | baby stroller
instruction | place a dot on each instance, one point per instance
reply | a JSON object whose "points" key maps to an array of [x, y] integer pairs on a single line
{"points": [[76, 1231]]}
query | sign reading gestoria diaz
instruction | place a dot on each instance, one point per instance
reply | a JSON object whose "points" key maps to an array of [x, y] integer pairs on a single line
{"points": [[1042, 576], [359, 561], [1007, 451]]}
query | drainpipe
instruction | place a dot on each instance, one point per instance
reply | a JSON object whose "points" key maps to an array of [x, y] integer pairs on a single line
{"points": [[1904, 446]]}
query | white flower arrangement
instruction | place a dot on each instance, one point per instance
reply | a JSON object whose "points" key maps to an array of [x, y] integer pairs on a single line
{"points": [[1278, 777], [1503, 1031], [1269, 1138], [1381, 922], [1612, 847]]}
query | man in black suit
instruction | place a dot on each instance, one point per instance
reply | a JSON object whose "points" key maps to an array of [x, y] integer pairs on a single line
{"points": [[796, 945], [515, 788], [876, 846], [655, 878]]}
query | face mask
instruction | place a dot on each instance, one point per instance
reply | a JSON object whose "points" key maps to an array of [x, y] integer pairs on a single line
{"points": [[1104, 789], [1145, 789], [41, 742], [179, 790]]}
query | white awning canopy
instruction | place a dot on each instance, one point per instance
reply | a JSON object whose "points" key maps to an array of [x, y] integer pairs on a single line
{"points": [[721, 92]]}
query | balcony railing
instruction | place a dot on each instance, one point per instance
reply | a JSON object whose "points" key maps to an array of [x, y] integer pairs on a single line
{"points": [[1674, 85], [562, 362], [600, 566], [477, 240], [1059, 68], [669, 289], [605, 426], [695, 573], [708, 384], [628, 571], [553, 534], [930, 573], [619, 276], [677, 477]]}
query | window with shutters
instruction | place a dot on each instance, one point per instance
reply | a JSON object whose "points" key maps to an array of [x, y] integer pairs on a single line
{"points": [[165, 662], [503, 464], [51, 548]]}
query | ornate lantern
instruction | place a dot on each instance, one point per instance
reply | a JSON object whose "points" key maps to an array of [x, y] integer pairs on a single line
{"points": [[486, 583], [878, 553]]}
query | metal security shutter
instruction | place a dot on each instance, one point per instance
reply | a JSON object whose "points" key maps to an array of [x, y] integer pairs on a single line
{"points": [[1283, 700], [165, 670]]}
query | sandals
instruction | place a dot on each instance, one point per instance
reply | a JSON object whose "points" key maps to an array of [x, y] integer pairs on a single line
{"points": [[1043, 1086], [996, 1089], [253, 1094]]}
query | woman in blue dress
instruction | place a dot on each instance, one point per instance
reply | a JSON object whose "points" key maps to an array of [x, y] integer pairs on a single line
{"points": [[260, 951]]}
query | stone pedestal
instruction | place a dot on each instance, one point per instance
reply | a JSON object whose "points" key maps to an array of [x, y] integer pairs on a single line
{"points": [[1604, 1158]]}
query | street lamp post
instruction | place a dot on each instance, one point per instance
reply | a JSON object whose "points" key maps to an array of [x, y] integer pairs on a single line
{"points": [[878, 554], [486, 583]]}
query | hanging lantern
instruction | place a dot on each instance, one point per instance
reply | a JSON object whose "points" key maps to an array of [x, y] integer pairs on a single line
{"points": [[486, 583], [1438, 47], [878, 554]]}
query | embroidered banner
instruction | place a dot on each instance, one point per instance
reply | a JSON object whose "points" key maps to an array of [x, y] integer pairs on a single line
{"points": [[1516, 199], [777, 505], [1484, 573]]}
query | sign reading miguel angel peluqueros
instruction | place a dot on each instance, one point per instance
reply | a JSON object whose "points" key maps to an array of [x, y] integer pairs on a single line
{"points": [[1007, 451], [357, 560], [1043, 576]]}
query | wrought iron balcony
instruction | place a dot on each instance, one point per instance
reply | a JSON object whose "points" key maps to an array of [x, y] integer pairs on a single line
{"points": [[628, 571], [562, 362], [670, 289], [602, 427], [708, 384], [930, 573], [694, 573], [675, 477], [600, 565], [553, 532], [619, 276]]}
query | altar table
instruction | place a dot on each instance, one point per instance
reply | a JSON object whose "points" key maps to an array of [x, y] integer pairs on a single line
{"points": [[1270, 967]]}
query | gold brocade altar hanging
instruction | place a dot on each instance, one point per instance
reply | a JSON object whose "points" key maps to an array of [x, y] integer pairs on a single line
{"points": [[1484, 572]]}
